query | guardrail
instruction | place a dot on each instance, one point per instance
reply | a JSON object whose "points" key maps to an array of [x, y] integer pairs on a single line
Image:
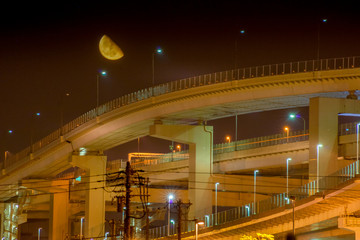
{"points": [[192, 82], [277, 201]]}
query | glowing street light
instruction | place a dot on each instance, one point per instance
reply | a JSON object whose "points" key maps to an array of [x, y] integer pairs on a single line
{"points": [[197, 223], [294, 116], [228, 139], [247, 210], [100, 74], [39, 232], [172, 221], [178, 147], [287, 178], [216, 203], [357, 148], [318, 164], [81, 227], [255, 172], [170, 198], [157, 51], [36, 115], [286, 129]]}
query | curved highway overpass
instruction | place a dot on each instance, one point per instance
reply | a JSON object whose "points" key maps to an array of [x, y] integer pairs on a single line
{"points": [[186, 101]]}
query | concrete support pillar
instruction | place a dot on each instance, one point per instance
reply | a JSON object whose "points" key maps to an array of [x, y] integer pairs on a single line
{"points": [[59, 219], [323, 129], [94, 180], [59, 204], [200, 141]]}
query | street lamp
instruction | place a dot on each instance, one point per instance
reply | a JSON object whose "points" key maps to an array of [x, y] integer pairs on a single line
{"points": [[292, 198], [103, 74], [170, 198], [197, 223], [81, 227], [228, 139], [247, 210], [287, 133], [158, 50], [216, 210], [240, 33], [39, 231], [293, 116], [178, 147], [36, 115], [323, 21], [255, 172], [172, 221], [287, 178], [357, 148], [318, 164]]}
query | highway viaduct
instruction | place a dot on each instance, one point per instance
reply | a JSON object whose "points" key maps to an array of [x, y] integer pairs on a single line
{"points": [[178, 111]]}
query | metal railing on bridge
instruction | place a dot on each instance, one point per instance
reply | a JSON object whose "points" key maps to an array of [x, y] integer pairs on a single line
{"points": [[191, 82]]}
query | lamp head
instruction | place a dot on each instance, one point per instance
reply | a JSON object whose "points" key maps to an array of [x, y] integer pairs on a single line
{"points": [[170, 197], [158, 50]]}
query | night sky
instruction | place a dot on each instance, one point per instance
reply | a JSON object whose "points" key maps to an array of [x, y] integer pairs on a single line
{"points": [[48, 51]]}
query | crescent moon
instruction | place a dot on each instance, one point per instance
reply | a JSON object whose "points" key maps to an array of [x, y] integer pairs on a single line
{"points": [[109, 49]]}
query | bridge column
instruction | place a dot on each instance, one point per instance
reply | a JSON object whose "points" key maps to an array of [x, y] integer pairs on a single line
{"points": [[59, 204], [323, 113], [200, 141], [350, 223], [94, 180]]}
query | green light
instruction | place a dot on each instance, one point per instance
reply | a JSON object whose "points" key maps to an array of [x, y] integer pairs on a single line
{"points": [[159, 50], [292, 116], [103, 73]]}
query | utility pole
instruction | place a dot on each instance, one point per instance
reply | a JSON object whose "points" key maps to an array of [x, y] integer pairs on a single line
{"points": [[178, 205], [147, 232], [127, 202]]}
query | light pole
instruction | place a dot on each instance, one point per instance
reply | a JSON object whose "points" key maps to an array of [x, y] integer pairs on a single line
{"points": [[318, 164], [357, 148], [37, 115], [170, 198], [247, 210], [240, 33], [287, 133], [228, 139], [39, 232], [292, 198], [172, 221], [178, 147], [293, 116], [103, 74], [81, 227], [255, 172], [287, 178], [197, 223], [216, 210], [62, 112], [324, 20], [158, 50]]}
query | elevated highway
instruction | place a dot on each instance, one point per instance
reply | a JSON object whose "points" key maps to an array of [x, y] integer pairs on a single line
{"points": [[186, 102]]}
